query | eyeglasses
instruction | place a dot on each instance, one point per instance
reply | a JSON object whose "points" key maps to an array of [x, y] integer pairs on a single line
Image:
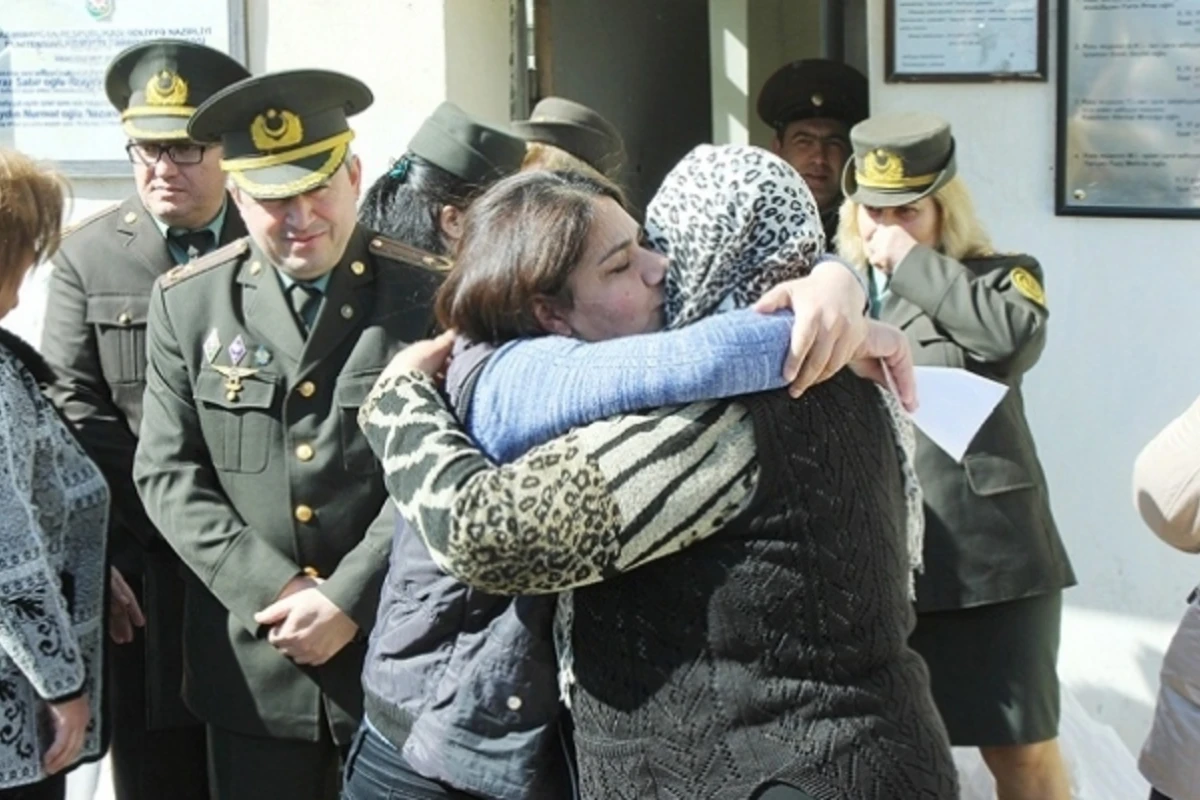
{"points": [[149, 153]]}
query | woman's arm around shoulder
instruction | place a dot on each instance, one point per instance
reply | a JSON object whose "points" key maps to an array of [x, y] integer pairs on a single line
{"points": [[576, 510], [535, 389]]}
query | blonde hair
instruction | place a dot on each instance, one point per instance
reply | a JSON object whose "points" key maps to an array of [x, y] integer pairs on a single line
{"points": [[960, 232], [539, 155], [31, 212]]}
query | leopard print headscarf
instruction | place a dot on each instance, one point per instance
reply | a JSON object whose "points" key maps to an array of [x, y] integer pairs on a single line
{"points": [[734, 220]]}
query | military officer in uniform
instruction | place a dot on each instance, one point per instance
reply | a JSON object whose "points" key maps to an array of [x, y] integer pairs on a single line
{"points": [[94, 337], [989, 600], [812, 105], [251, 462]]}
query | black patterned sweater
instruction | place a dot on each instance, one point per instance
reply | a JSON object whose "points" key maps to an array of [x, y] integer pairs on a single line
{"points": [[776, 650]]}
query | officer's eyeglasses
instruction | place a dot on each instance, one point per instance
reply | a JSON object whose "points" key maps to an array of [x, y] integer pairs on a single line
{"points": [[148, 153]]}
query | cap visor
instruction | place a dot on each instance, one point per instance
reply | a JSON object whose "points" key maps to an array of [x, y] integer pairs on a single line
{"points": [[291, 179], [889, 198], [156, 128]]}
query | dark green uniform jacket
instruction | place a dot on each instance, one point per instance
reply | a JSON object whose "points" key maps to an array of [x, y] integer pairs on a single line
{"points": [[989, 533], [95, 339], [258, 477]]}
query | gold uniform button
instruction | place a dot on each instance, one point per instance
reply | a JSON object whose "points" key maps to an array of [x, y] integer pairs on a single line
{"points": [[311, 572], [347, 311], [124, 318], [304, 514], [304, 452], [255, 267], [130, 218], [307, 389], [358, 268]]}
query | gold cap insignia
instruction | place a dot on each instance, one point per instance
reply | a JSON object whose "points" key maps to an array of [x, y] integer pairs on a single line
{"points": [[1028, 286], [276, 130], [818, 99], [881, 168], [166, 88]]}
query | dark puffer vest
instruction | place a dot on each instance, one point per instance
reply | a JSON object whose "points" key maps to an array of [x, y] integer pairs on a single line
{"points": [[777, 649]]}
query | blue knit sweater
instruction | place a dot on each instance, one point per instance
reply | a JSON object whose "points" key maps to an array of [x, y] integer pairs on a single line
{"points": [[533, 390]]}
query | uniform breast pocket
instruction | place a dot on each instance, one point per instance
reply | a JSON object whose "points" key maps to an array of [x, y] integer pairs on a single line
{"points": [[120, 325], [350, 393], [238, 425], [989, 474]]}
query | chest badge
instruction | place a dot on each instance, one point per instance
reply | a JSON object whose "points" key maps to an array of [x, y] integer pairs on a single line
{"points": [[212, 346], [233, 380], [262, 356], [237, 350]]}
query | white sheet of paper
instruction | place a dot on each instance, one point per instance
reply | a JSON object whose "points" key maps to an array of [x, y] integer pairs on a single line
{"points": [[954, 404]]}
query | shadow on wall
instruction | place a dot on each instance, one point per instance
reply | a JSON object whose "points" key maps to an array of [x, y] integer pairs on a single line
{"points": [[1130, 716], [257, 34]]}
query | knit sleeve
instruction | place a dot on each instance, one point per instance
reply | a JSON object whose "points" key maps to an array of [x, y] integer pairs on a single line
{"points": [[577, 510], [576, 382], [35, 625]]}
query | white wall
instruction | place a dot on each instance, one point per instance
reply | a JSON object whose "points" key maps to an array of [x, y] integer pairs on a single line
{"points": [[1122, 359], [412, 53]]}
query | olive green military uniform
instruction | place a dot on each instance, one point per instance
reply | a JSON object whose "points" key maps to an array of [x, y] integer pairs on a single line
{"points": [[989, 598], [251, 462], [252, 465], [95, 338]]}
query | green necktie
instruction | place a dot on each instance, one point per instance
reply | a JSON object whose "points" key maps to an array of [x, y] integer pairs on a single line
{"points": [[193, 243], [306, 301]]}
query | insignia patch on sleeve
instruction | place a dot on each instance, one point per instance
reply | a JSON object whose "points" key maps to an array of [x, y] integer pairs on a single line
{"points": [[1029, 287]]}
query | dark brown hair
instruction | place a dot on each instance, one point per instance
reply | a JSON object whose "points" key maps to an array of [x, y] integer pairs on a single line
{"points": [[521, 240], [31, 211]]}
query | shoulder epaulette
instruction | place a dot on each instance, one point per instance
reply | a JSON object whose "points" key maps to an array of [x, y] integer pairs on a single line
{"points": [[399, 251], [1013, 256], [90, 218], [222, 255]]}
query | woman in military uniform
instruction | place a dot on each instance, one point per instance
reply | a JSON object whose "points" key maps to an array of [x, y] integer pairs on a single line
{"points": [[563, 134], [451, 158], [989, 600]]}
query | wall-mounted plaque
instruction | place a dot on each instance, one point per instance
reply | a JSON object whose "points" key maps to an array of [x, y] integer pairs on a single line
{"points": [[977, 40], [1129, 108], [53, 54]]}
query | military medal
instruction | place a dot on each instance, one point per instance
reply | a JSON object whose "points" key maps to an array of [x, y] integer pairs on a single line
{"points": [[262, 356], [212, 346], [237, 350], [233, 380]]}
